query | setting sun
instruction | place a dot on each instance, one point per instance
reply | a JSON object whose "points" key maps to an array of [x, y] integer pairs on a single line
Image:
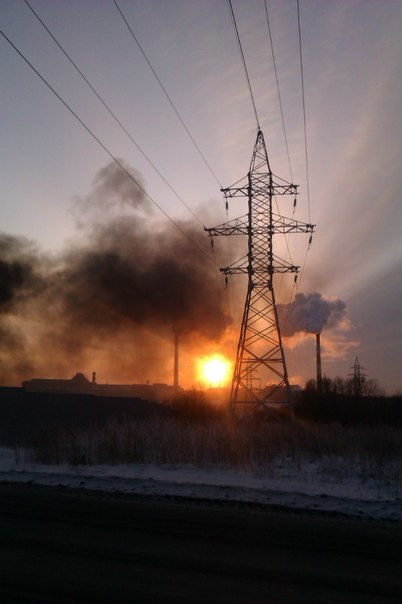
{"points": [[214, 370]]}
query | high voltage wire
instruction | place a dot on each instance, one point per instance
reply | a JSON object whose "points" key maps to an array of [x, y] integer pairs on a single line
{"points": [[297, 284], [105, 148], [177, 113], [172, 104], [277, 86], [114, 115], [288, 254], [304, 110], [167, 95], [306, 155], [244, 61]]}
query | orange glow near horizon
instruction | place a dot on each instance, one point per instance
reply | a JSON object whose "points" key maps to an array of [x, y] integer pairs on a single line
{"points": [[214, 370]]}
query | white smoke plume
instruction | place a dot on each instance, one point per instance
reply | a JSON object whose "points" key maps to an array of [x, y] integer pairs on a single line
{"points": [[310, 313]]}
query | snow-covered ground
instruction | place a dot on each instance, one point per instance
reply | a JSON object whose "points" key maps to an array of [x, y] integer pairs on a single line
{"points": [[315, 486]]}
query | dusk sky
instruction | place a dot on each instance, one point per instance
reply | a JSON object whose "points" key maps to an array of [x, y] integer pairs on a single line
{"points": [[352, 58]]}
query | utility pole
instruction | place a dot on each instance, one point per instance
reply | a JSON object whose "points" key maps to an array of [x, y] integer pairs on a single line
{"points": [[260, 348]]}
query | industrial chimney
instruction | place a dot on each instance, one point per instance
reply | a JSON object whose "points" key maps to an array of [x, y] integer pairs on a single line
{"points": [[318, 353], [176, 361]]}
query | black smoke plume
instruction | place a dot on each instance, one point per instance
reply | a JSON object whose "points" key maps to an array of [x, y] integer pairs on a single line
{"points": [[310, 313], [19, 271], [114, 297]]}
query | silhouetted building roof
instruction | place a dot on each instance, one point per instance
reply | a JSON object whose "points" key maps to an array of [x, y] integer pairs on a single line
{"points": [[79, 384]]}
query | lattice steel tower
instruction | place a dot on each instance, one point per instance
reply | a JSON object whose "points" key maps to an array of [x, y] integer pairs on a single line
{"points": [[260, 348], [359, 377]]}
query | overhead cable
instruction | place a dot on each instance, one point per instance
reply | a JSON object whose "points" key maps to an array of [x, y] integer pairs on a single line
{"points": [[146, 157], [305, 144], [105, 148], [277, 86], [244, 61], [167, 95], [304, 111], [283, 121]]}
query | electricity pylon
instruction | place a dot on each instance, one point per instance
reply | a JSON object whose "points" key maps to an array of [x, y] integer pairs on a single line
{"points": [[358, 378], [260, 349]]}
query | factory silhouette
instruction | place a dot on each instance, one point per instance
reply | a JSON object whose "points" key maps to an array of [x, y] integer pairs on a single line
{"points": [[79, 384]]}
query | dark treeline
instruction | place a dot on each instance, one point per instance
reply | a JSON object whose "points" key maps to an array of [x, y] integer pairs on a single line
{"points": [[329, 407], [339, 402], [24, 417], [351, 386]]}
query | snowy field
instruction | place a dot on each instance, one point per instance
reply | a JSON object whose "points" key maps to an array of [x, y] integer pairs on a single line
{"points": [[320, 487]]}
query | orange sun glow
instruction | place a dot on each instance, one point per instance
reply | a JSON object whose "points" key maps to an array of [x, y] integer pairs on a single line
{"points": [[214, 370]]}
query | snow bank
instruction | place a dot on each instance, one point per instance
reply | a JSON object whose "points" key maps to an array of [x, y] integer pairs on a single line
{"points": [[315, 488]]}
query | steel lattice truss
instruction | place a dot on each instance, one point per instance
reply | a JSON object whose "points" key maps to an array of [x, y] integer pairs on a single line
{"points": [[260, 350]]}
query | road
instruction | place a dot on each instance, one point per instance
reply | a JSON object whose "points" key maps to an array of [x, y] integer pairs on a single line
{"points": [[59, 546]]}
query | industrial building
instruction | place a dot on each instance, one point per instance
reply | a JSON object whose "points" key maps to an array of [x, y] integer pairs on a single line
{"points": [[79, 384]]}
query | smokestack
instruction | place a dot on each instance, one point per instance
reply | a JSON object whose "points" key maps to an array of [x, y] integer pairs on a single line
{"points": [[319, 375], [176, 361]]}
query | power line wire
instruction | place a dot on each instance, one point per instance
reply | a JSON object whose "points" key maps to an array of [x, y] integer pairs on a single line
{"points": [[304, 111], [167, 95], [244, 61], [288, 253], [303, 266], [283, 124], [305, 145], [105, 148], [278, 89], [146, 157]]}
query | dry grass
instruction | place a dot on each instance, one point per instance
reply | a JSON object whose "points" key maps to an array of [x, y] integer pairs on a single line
{"points": [[371, 453]]}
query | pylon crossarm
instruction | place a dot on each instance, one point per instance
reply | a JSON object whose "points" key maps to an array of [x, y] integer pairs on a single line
{"points": [[240, 267], [237, 226], [276, 188], [243, 269], [281, 266], [279, 189], [231, 192], [281, 224]]}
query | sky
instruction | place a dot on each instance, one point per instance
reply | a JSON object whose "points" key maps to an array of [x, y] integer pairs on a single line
{"points": [[58, 205]]}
